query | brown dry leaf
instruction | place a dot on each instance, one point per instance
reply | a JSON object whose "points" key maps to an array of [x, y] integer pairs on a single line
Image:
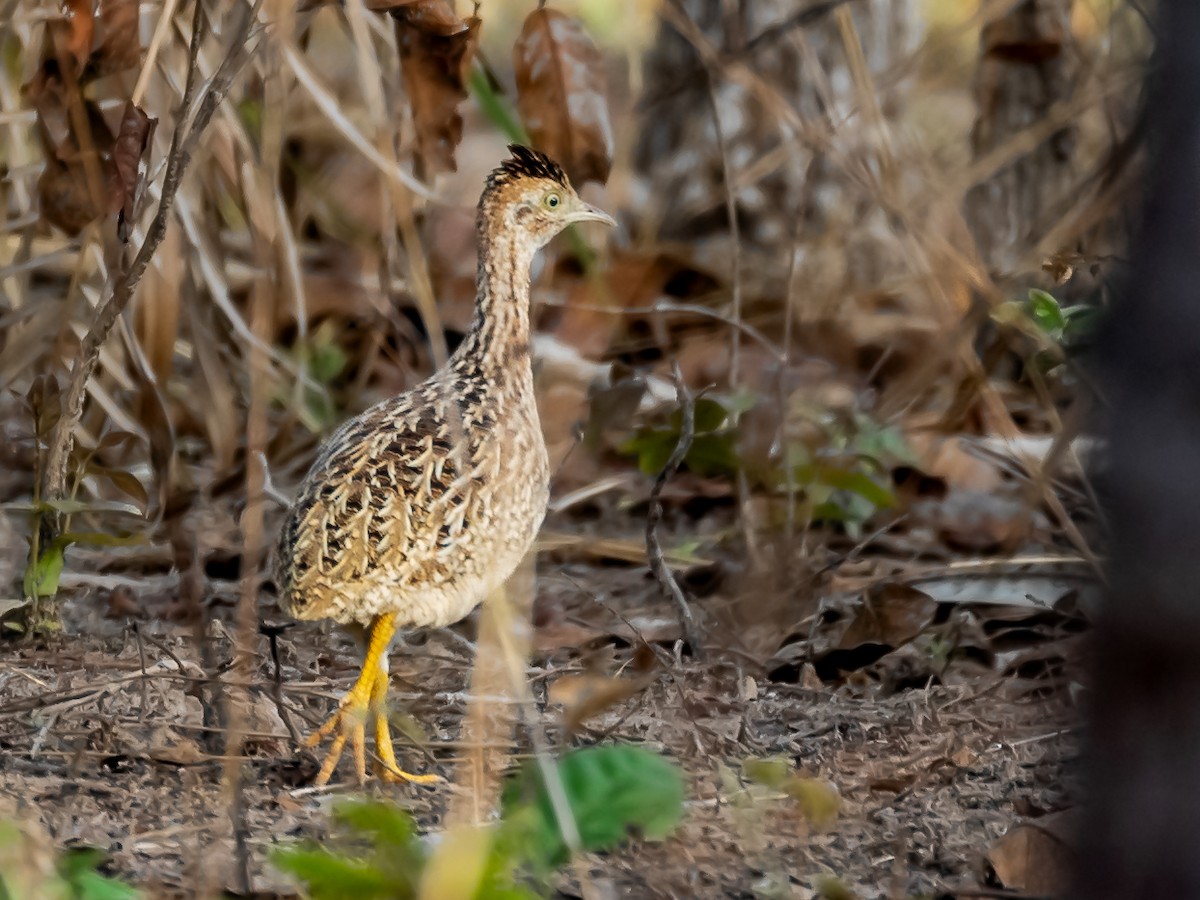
{"points": [[550, 636], [77, 186], [436, 17], [67, 197], [79, 183], [118, 42], [892, 614], [73, 37], [587, 695], [950, 459], [436, 48], [562, 94], [130, 148], [1033, 857], [122, 603]]}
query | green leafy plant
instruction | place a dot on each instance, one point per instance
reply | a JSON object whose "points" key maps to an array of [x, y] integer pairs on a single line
{"points": [[1056, 328], [46, 553], [713, 451], [1064, 324], [324, 361], [611, 793], [29, 868], [841, 474]]}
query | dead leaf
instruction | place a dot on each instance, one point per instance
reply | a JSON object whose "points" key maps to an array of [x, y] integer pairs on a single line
{"points": [[73, 37], [436, 48], [436, 17], [129, 150], [551, 635], [78, 184], [117, 41], [1034, 857], [44, 401], [587, 695], [950, 459], [562, 94], [891, 614]]}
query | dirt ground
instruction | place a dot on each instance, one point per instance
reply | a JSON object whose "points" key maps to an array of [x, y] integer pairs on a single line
{"points": [[106, 742]]}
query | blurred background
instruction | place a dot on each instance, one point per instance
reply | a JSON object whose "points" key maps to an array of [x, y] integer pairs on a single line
{"points": [[866, 243]]}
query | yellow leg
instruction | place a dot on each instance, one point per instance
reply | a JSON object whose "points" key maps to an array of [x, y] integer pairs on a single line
{"points": [[350, 721], [388, 770]]}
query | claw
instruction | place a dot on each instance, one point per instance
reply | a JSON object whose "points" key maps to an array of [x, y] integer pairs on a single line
{"points": [[386, 767], [366, 700], [349, 722]]}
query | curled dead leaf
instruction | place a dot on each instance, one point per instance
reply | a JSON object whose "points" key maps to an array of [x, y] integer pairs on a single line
{"points": [[562, 94], [129, 150], [436, 48]]}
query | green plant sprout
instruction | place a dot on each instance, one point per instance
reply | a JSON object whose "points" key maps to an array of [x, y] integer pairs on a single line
{"points": [[613, 792]]}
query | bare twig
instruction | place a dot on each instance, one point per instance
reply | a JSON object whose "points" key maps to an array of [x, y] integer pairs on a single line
{"points": [[272, 633], [658, 565]]}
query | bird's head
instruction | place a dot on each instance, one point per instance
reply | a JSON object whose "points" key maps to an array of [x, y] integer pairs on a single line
{"points": [[529, 193]]}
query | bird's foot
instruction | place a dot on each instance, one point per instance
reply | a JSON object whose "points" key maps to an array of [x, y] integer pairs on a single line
{"points": [[366, 700], [349, 723], [387, 770]]}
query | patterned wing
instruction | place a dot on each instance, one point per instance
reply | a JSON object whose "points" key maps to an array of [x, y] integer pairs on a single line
{"points": [[387, 493]]}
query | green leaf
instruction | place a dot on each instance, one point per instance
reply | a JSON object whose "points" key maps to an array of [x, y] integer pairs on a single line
{"points": [[709, 415], [610, 790], [327, 362], [327, 876], [70, 507], [1045, 311], [857, 482], [494, 108], [94, 886], [390, 826], [42, 574], [383, 857], [771, 771]]}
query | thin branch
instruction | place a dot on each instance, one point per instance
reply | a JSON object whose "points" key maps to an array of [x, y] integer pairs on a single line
{"points": [[658, 565]]}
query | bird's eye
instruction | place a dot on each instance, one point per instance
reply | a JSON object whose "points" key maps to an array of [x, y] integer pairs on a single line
{"points": [[551, 201]]}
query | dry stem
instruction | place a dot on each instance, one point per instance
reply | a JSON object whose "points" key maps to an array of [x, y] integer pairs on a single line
{"points": [[654, 551]]}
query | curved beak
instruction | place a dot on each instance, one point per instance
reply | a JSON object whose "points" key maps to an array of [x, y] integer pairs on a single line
{"points": [[585, 212]]}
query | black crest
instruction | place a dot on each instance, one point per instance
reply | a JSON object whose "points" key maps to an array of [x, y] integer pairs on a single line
{"points": [[525, 163]]}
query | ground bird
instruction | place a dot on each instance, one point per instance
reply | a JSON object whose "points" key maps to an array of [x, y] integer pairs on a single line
{"points": [[422, 506]]}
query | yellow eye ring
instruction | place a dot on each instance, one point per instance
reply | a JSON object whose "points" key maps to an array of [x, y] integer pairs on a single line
{"points": [[551, 200]]}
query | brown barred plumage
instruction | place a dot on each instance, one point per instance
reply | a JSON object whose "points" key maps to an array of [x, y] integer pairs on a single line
{"points": [[417, 509]]}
